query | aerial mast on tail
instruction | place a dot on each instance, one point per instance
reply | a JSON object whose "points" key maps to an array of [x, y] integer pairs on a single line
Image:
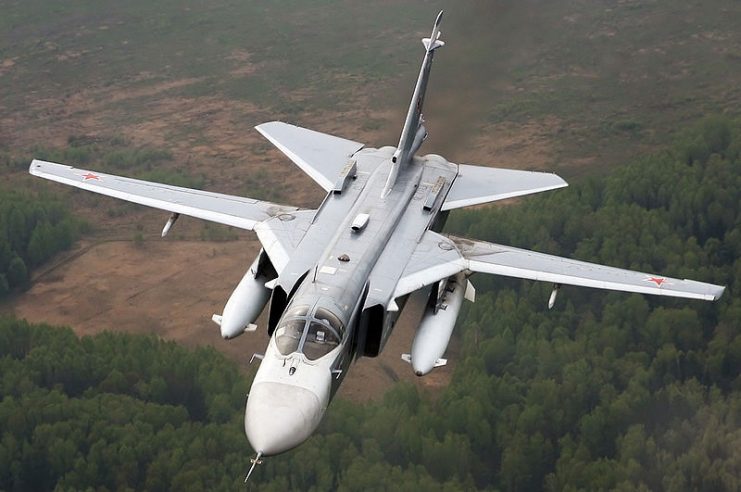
{"points": [[414, 132]]}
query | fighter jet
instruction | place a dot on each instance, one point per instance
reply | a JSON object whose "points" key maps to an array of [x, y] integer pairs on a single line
{"points": [[337, 277]]}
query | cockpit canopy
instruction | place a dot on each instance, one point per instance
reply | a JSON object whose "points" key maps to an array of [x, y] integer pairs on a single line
{"points": [[314, 335]]}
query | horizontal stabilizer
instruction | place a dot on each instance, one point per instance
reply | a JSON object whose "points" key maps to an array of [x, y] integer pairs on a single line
{"points": [[475, 185], [321, 156]]}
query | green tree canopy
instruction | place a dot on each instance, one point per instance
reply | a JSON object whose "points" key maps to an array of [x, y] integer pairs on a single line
{"points": [[606, 391]]}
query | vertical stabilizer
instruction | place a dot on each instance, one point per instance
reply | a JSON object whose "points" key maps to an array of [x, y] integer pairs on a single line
{"points": [[414, 133]]}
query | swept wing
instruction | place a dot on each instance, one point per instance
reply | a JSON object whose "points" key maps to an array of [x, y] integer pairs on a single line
{"points": [[514, 262], [235, 211], [319, 155], [438, 257], [475, 185]]}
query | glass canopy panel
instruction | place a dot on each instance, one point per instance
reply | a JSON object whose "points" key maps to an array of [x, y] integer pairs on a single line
{"points": [[327, 316], [320, 340], [288, 335], [296, 312]]}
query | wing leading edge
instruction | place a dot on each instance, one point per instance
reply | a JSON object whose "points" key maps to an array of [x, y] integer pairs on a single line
{"points": [[235, 211], [514, 262], [457, 254]]}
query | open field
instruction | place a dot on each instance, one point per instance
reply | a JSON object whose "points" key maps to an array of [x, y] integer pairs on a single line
{"points": [[598, 80]]}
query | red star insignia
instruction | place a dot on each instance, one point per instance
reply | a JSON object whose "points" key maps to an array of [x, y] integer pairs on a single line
{"points": [[88, 176], [657, 280]]}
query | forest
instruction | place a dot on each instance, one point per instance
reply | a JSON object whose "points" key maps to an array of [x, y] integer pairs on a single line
{"points": [[36, 225], [606, 391], [33, 228]]}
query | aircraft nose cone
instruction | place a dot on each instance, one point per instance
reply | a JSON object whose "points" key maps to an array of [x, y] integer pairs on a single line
{"points": [[279, 417]]}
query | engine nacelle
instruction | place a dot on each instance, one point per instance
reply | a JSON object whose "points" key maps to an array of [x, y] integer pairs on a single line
{"points": [[436, 327], [246, 302]]}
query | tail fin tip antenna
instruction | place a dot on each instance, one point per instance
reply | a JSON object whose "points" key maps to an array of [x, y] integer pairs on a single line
{"points": [[433, 42]]}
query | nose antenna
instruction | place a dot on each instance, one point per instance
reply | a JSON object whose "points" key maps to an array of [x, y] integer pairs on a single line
{"points": [[255, 461]]}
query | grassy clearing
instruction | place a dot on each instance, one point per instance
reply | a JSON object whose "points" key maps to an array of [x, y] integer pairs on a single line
{"points": [[115, 155], [261, 185], [618, 77]]}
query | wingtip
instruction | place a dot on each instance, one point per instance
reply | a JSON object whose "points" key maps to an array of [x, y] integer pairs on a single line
{"points": [[35, 164], [262, 126], [711, 292], [719, 293], [561, 182]]}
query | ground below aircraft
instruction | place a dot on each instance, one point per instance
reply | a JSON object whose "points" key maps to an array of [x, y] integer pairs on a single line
{"points": [[336, 277]]}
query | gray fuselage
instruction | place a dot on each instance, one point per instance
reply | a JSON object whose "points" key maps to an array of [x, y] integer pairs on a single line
{"points": [[352, 275]]}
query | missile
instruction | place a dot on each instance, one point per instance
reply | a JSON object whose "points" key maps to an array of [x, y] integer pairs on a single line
{"points": [[245, 304], [436, 327]]}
